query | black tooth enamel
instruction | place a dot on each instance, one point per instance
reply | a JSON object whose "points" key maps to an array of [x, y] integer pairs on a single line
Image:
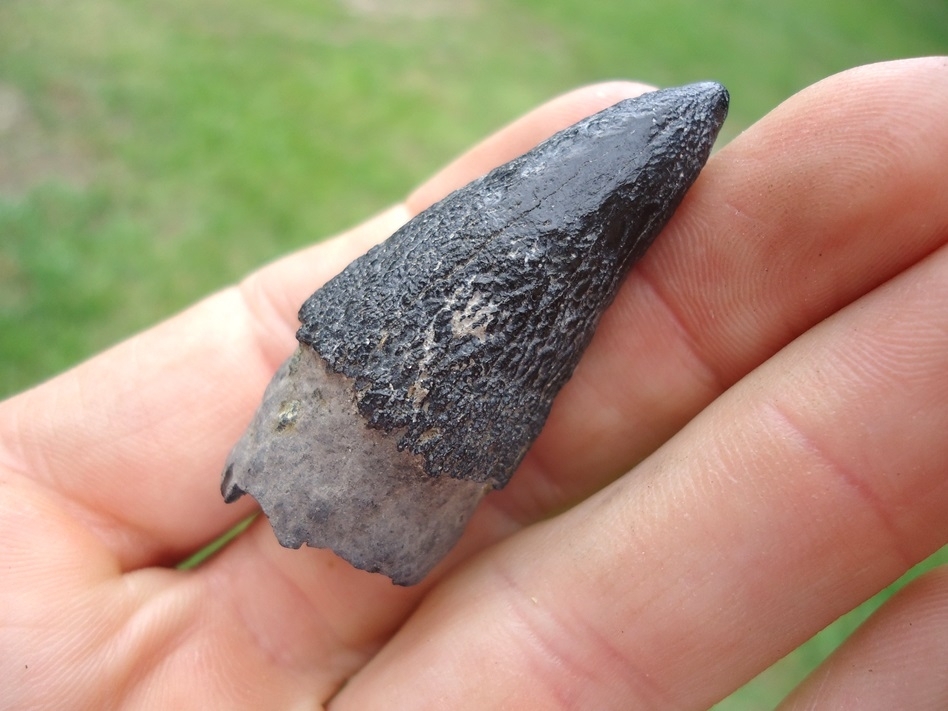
{"points": [[449, 341]]}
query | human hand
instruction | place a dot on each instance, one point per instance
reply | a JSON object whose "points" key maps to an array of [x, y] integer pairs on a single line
{"points": [[773, 377]]}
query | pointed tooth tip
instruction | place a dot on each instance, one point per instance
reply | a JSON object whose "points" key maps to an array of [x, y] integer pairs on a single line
{"points": [[705, 100], [717, 97]]}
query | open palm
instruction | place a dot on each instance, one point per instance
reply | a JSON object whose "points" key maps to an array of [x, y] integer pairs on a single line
{"points": [[753, 444]]}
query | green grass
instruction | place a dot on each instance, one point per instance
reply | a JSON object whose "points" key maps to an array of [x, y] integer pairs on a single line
{"points": [[154, 151], [151, 152]]}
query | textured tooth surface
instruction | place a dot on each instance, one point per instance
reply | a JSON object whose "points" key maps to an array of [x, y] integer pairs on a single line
{"points": [[429, 365]]}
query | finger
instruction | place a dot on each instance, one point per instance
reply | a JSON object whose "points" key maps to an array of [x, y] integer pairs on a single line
{"points": [[897, 660], [133, 440], [803, 490], [830, 195]]}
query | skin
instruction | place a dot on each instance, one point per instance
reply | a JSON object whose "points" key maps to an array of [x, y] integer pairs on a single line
{"points": [[753, 444]]}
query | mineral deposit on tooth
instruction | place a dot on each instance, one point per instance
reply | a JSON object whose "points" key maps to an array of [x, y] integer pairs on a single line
{"points": [[427, 368]]}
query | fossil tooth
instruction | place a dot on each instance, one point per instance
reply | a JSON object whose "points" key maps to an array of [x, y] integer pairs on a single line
{"points": [[428, 366]]}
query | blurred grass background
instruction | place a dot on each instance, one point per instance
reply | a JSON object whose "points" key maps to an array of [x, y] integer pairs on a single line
{"points": [[151, 152]]}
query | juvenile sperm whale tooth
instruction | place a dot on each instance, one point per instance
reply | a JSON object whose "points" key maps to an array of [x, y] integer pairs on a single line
{"points": [[428, 366]]}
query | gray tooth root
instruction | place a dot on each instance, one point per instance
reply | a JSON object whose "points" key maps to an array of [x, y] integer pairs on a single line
{"points": [[428, 366]]}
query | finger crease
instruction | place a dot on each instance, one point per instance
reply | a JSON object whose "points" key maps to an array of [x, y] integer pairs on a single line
{"points": [[853, 482], [714, 379], [269, 324], [570, 654]]}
